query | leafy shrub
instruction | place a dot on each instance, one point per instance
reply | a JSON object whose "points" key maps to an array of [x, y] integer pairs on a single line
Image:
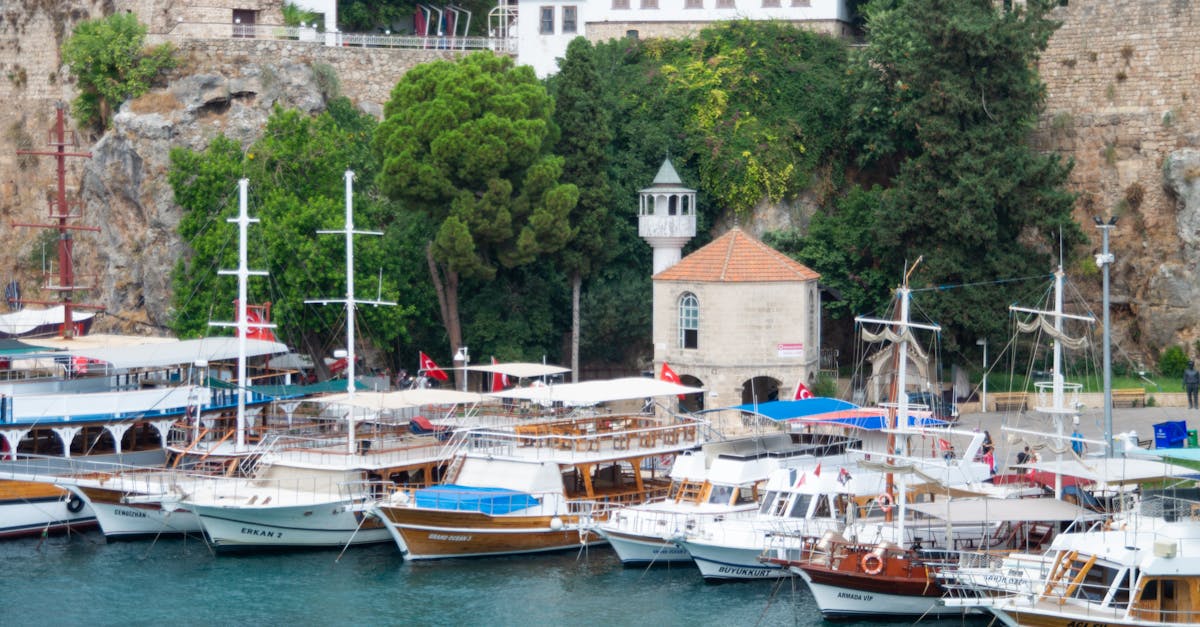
{"points": [[1173, 361], [110, 64]]}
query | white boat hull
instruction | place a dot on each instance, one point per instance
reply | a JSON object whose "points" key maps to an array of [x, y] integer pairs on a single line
{"points": [[32, 516], [332, 524], [634, 549], [133, 521], [731, 563]]}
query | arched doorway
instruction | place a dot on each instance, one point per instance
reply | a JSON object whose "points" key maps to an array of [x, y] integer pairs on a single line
{"points": [[691, 402], [760, 390]]}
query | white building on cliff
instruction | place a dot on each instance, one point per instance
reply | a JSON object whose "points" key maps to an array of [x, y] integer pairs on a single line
{"points": [[545, 27]]}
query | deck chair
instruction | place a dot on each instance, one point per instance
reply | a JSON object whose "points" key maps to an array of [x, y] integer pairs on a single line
{"points": [[420, 425]]}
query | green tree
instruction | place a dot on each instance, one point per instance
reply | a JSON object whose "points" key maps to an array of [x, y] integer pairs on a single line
{"points": [[580, 112], [766, 108], [296, 173], [111, 64], [467, 143], [945, 96]]}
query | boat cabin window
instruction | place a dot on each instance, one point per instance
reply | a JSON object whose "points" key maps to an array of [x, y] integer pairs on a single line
{"points": [[800, 508], [822, 510], [1096, 582], [720, 494], [768, 502], [745, 496]]}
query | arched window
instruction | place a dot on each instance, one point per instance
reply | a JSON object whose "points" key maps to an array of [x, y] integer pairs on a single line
{"points": [[689, 321]]}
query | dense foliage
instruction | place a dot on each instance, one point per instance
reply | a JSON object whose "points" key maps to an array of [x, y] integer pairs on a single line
{"points": [[111, 64], [468, 144], [943, 99], [507, 194], [296, 174]]}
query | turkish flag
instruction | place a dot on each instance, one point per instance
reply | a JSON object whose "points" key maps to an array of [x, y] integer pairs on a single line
{"points": [[499, 379], [431, 369], [669, 376], [255, 316], [802, 392]]}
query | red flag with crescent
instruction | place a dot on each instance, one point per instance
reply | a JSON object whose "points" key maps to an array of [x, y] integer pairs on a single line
{"points": [[802, 392], [499, 379], [669, 376], [431, 369]]}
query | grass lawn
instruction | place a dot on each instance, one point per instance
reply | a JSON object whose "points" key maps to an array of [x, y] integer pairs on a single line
{"points": [[1004, 383]]}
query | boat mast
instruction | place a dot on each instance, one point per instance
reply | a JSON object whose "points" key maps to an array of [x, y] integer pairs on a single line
{"points": [[243, 273], [900, 423], [60, 213], [350, 302], [1058, 405]]}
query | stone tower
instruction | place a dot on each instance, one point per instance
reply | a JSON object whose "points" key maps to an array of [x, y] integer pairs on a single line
{"points": [[666, 216]]}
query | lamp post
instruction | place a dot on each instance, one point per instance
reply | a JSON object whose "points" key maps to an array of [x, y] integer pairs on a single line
{"points": [[983, 386], [1104, 260], [464, 356]]}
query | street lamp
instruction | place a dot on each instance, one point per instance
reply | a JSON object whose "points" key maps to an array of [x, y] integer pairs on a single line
{"points": [[464, 356], [1104, 260], [983, 386]]}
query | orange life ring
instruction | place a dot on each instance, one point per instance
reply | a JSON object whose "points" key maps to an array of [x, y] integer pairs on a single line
{"points": [[884, 501], [872, 564]]}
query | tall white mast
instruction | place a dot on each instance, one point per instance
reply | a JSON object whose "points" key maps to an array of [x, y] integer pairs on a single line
{"points": [[1058, 405], [350, 302], [900, 338], [243, 274]]}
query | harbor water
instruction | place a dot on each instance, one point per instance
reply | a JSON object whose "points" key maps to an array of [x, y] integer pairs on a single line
{"points": [[79, 579]]}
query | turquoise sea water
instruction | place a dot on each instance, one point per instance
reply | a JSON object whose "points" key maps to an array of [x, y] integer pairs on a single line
{"points": [[81, 580]]}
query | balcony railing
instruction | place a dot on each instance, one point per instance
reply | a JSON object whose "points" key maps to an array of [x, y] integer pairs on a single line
{"points": [[221, 30]]}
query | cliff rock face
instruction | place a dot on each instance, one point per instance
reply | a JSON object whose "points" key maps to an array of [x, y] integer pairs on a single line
{"points": [[1121, 85], [125, 189]]}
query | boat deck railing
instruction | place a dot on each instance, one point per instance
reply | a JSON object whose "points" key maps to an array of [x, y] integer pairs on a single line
{"points": [[372, 450], [570, 440]]}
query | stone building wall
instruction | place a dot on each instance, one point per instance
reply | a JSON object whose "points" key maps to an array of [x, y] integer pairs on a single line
{"points": [[1122, 93], [366, 75], [741, 326]]}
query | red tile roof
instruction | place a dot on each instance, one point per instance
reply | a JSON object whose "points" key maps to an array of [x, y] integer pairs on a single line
{"points": [[737, 257]]}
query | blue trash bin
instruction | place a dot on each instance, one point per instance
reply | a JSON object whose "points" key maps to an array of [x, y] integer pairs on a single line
{"points": [[1171, 434]]}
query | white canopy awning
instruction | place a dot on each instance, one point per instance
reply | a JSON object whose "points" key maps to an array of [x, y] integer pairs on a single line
{"points": [[403, 399], [1003, 510], [176, 353], [521, 370], [1112, 470], [26, 320], [593, 392]]}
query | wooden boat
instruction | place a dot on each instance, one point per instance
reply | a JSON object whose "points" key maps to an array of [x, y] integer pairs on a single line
{"points": [[859, 578], [541, 487]]}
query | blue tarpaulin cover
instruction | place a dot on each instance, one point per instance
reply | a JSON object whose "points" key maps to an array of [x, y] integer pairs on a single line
{"points": [[490, 501], [787, 410]]}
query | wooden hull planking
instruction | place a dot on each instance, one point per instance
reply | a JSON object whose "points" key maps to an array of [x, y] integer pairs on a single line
{"points": [[433, 534]]}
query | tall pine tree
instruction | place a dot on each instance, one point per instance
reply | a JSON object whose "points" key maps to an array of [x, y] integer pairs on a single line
{"points": [[584, 123]]}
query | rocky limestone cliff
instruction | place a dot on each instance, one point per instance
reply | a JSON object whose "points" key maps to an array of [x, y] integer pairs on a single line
{"points": [[125, 189]]}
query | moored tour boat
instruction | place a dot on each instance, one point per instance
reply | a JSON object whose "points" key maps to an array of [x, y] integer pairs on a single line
{"points": [[542, 486]]}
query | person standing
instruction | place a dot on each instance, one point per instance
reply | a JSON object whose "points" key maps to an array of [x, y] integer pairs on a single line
{"points": [[1191, 383]]}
